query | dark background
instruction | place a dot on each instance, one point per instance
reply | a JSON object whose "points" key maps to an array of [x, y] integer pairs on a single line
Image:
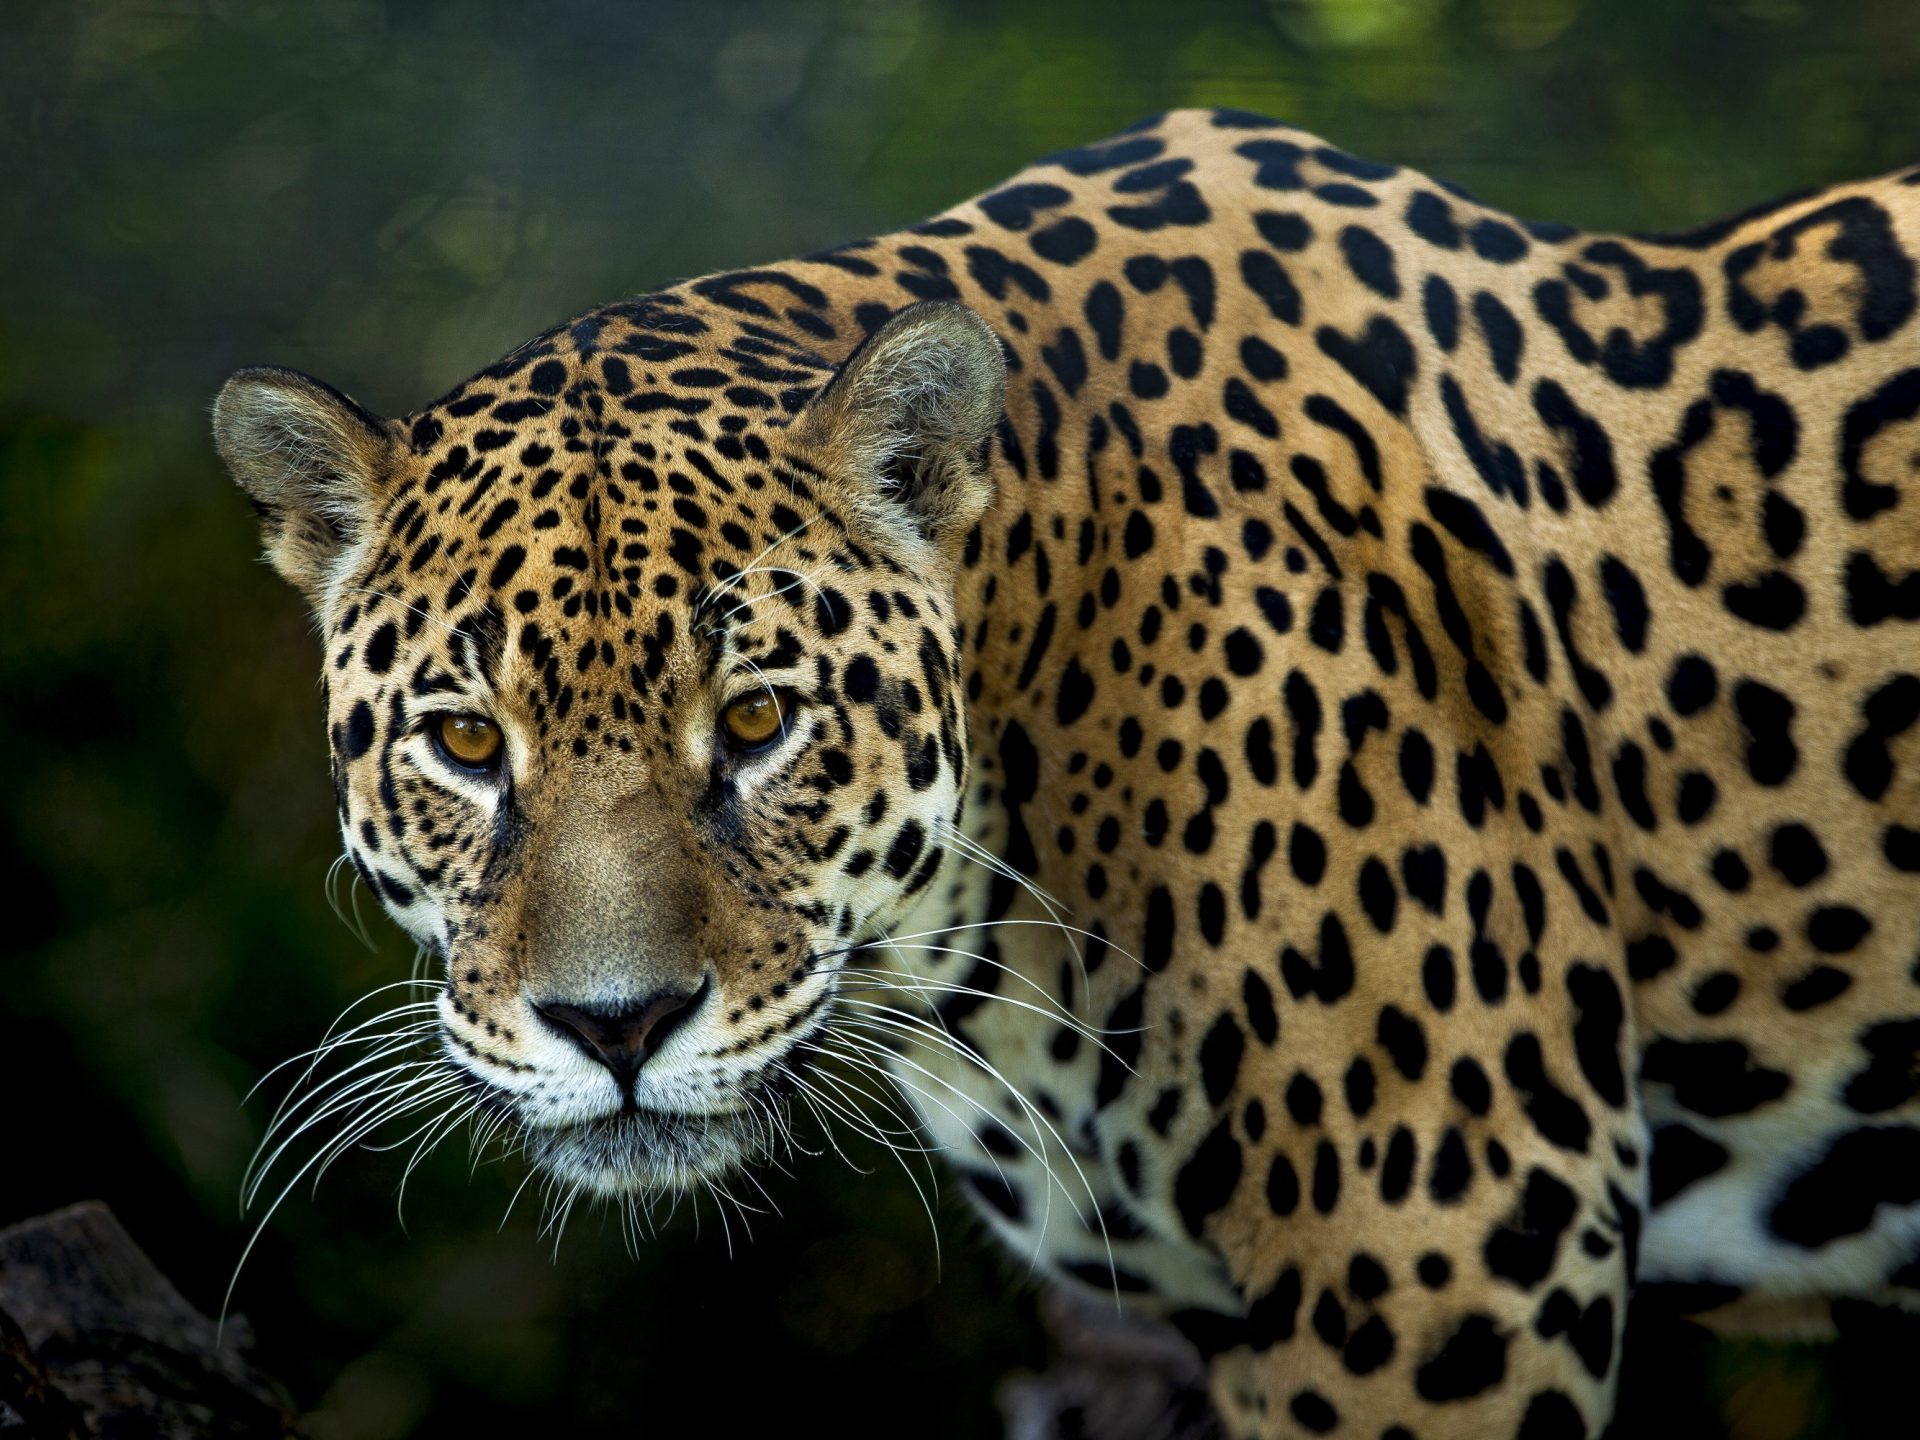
{"points": [[391, 195]]}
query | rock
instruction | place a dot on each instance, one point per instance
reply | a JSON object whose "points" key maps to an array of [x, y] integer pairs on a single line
{"points": [[95, 1341]]}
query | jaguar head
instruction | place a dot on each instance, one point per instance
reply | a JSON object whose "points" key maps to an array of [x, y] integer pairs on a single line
{"points": [[644, 693]]}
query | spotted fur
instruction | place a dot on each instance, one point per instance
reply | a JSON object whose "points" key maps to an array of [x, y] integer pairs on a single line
{"points": [[1454, 678]]}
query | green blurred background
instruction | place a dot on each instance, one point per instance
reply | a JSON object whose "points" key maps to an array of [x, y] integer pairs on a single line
{"points": [[392, 194]]}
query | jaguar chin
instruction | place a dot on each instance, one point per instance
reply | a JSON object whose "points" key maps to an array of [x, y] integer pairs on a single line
{"points": [[644, 1152]]}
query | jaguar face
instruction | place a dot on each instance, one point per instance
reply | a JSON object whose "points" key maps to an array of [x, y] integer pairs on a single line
{"points": [[643, 694]]}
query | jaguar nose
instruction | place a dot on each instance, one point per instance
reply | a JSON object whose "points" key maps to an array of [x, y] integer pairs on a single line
{"points": [[622, 1037]]}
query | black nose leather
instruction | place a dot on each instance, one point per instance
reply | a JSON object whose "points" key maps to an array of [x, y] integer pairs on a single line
{"points": [[621, 1038]]}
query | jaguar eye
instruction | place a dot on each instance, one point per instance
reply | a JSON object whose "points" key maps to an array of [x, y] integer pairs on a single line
{"points": [[470, 742], [753, 722]]}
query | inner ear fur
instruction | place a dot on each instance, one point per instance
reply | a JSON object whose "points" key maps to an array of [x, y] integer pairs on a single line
{"points": [[313, 463], [910, 416]]}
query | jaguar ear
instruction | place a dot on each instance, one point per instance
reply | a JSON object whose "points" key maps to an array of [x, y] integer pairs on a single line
{"points": [[312, 462], [912, 412]]}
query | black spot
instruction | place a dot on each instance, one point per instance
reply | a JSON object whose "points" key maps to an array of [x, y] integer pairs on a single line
{"points": [[1273, 1317], [506, 566], [1892, 1075], [1366, 1279], [1442, 311], [1105, 312], [1562, 597], [1438, 977], [1220, 1056], [1306, 854], [1471, 1361], [1627, 361], [1837, 1196], [1304, 1101], [1013, 207], [355, 738], [1695, 798], [1331, 976], [1268, 279], [1326, 1177], [1555, 1114], [1075, 693], [1552, 1416], [861, 681], [906, 848], [1431, 218], [1381, 359], [1818, 985], [1681, 1156], [1065, 241], [1370, 260], [1837, 929], [1177, 203], [1589, 450], [1628, 601], [1767, 717], [992, 1190], [1147, 380], [1330, 1320], [1283, 1186], [1901, 846], [994, 272], [1470, 1086], [1714, 994], [1452, 1169], [1497, 241], [1243, 652], [378, 656], [1205, 1184], [1692, 685], [1360, 1087], [1882, 291], [1258, 998], [1468, 524], [1404, 1041], [1156, 944], [1889, 712], [1525, 1247], [1314, 1412], [1505, 339], [1263, 362], [1599, 1018], [1377, 895], [1396, 1171], [1286, 232], [1066, 359], [1629, 782], [1416, 765], [1715, 1078]]}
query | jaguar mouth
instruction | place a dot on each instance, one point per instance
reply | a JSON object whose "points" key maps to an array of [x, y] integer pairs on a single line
{"points": [[642, 1151]]}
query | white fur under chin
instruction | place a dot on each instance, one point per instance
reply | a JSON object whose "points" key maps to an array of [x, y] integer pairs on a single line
{"points": [[641, 1153]]}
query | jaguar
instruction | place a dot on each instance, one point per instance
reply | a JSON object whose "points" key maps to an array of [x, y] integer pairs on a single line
{"points": [[1355, 760]]}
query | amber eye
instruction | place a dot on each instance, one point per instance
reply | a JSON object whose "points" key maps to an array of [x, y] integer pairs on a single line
{"points": [[470, 741], [755, 721]]}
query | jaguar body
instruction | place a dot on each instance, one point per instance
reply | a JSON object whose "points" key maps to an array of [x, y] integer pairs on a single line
{"points": [[1355, 757]]}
